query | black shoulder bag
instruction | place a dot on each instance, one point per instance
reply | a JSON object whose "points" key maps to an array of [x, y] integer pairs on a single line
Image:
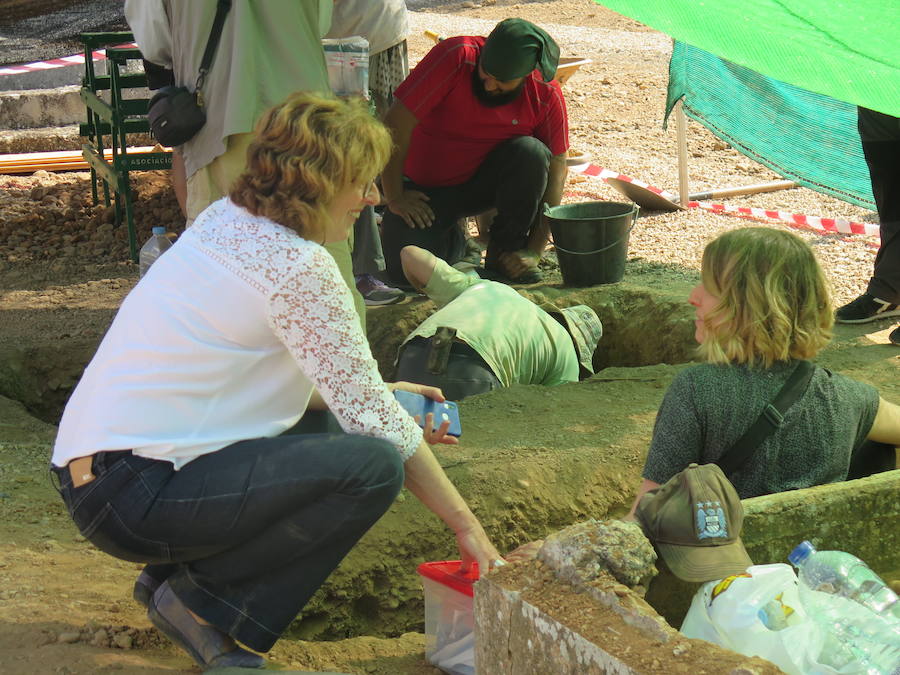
{"points": [[176, 114], [769, 420]]}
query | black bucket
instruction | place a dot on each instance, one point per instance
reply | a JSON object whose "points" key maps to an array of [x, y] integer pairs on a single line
{"points": [[591, 240]]}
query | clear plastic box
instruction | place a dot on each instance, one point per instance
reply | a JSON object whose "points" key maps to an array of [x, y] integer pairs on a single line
{"points": [[347, 61], [449, 623]]}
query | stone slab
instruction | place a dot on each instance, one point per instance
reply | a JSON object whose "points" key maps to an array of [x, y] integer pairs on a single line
{"points": [[41, 108], [516, 635]]}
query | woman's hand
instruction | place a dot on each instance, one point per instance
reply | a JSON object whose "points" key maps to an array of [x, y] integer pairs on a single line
{"points": [[439, 435], [431, 434], [433, 393], [474, 546]]}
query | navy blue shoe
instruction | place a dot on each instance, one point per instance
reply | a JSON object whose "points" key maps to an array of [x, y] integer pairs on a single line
{"points": [[207, 645], [144, 588]]}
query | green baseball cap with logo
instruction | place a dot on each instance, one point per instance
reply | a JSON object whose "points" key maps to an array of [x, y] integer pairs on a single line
{"points": [[695, 521]]}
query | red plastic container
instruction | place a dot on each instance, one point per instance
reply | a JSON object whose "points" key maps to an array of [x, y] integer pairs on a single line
{"points": [[449, 623], [447, 573]]}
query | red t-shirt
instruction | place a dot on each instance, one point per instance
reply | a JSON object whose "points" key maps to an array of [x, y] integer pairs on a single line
{"points": [[455, 131]]}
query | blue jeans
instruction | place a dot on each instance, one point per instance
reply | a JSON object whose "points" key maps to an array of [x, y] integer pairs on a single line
{"points": [[244, 535]]}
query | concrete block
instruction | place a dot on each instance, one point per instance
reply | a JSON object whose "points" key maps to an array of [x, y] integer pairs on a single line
{"points": [[34, 108], [50, 78], [530, 623]]}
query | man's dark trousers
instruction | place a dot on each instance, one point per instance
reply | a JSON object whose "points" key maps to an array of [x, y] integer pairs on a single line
{"points": [[880, 136], [465, 374], [512, 179]]}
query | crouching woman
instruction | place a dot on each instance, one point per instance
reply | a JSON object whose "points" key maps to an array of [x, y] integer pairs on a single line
{"points": [[172, 450]]}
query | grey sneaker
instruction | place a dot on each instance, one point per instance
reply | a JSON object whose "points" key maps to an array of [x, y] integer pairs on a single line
{"points": [[866, 308], [376, 292], [894, 337]]}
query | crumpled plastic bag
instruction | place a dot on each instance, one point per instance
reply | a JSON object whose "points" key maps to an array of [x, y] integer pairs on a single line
{"points": [[454, 648], [767, 612]]}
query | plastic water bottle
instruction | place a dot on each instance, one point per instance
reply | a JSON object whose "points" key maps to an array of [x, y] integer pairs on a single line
{"points": [[856, 640], [156, 245], [846, 575], [868, 637]]}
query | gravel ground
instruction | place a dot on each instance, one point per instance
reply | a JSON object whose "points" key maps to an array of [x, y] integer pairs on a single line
{"points": [[36, 30], [615, 107]]}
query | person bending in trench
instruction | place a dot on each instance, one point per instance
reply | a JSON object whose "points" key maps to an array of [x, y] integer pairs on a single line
{"points": [[497, 337], [762, 305], [175, 448], [478, 124]]}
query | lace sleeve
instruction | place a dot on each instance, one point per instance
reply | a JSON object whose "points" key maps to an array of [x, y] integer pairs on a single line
{"points": [[311, 312]]}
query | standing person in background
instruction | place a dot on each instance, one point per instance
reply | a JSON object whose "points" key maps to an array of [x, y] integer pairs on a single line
{"points": [[150, 26], [880, 136], [480, 123], [384, 24], [267, 51]]}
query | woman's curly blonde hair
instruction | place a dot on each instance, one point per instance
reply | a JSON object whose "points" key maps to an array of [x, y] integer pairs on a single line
{"points": [[774, 303], [304, 151]]}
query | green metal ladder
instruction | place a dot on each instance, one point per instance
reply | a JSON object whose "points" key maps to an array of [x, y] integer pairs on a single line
{"points": [[113, 120]]}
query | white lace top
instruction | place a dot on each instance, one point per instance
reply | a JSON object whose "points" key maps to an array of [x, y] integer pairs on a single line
{"points": [[224, 339]]}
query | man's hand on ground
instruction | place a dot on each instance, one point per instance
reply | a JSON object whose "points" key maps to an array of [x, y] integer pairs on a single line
{"points": [[516, 263], [525, 552], [413, 207]]}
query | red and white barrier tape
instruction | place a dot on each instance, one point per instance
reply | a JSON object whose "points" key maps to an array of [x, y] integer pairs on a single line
{"points": [[823, 225], [799, 220], [75, 59]]}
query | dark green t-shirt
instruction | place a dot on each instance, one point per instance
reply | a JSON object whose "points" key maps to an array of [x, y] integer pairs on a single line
{"points": [[709, 407]]}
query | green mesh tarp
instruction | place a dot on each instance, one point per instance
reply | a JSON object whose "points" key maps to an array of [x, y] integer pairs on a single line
{"points": [[846, 49], [803, 136]]}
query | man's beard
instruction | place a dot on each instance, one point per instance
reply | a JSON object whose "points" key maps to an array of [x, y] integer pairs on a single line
{"points": [[489, 99]]}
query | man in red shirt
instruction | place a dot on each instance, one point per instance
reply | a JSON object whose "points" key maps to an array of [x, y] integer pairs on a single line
{"points": [[478, 124]]}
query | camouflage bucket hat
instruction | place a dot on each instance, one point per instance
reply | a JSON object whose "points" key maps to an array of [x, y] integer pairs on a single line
{"points": [[585, 328], [695, 521]]}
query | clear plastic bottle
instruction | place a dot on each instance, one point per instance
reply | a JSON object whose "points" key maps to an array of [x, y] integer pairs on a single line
{"points": [[857, 641], [846, 575], [156, 245]]}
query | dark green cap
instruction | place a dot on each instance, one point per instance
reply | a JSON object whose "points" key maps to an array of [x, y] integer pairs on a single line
{"points": [[516, 47], [694, 520]]}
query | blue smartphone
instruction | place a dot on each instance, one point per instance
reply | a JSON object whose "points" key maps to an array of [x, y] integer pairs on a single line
{"points": [[416, 404]]}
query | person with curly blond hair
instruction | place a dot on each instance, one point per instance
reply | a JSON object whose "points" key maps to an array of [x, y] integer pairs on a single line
{"points": [[761, 305], [176, 449]]}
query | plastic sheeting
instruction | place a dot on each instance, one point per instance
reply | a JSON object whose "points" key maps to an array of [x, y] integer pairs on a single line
{"points": [[807, 137], [845, 49]]}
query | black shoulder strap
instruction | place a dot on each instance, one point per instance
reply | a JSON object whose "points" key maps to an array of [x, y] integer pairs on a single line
{"points": [[215, 33], [769, 420]]}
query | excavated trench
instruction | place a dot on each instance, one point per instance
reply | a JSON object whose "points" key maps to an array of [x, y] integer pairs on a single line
{"points": [[532, 459]]}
